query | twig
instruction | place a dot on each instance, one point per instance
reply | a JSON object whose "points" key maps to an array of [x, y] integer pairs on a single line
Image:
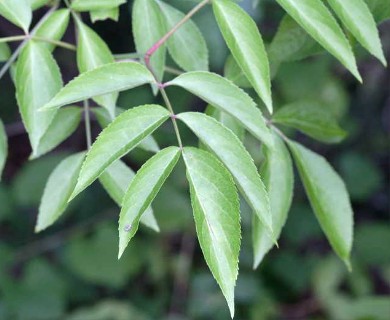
{"points": [[160, 42]]}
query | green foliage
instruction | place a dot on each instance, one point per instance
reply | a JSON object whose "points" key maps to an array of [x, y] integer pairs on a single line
{"points": [[93, 83], [187, 45], [92, 52], [230, 151], [241, 101], [37, 80], [244, 41], [312, 120], [54, 27], [278, 175], [215, 203], [142, 190], [317, 20], [328, 197], [58, 189], [114, 142], [227, 97], [18, 12]]}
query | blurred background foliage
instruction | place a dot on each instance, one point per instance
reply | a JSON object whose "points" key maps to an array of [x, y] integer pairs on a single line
{"points": [[71, 271]]}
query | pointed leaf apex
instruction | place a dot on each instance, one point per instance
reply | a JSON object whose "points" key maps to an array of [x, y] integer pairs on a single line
{"points": [[348, 264], [269, 105], [231, 308]]}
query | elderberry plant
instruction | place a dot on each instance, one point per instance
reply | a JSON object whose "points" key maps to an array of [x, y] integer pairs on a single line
{"points": [[221, 166]]}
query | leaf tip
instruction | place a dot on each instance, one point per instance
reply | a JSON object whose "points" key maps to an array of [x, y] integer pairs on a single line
{"points": [[39, 227], [382, 59], [231, 308], [348, 264]]}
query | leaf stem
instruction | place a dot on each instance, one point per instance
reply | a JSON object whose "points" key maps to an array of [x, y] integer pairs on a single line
{"points": [[154, 48], [160, 42], [15, 55], [173, 116], [13, 38], [87, 121], [279, 132], [173, 70], [23, 37], [58, 43]]}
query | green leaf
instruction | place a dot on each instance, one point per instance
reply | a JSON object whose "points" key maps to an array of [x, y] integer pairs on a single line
{"points": [[90, 5], [63, 125], [104, 119], [292, 42], [246, 45], [115, 180], [316, 19], [223, 94], [37, 80], [35, 4], [312, 119], [5, 52], [3, 147], [328, 197], [93, 52], [18, 12], [97, 82], [227, 120], [380, 9], [233, 72], [148, 28], [186, 46], [58, 189], [121, 136], [104, 14], [142, 190], [232, 153], [356, 16], [278, 175], [53, 27], [216, 210]]}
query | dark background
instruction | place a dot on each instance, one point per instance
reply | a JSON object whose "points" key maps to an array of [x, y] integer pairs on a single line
{"points": [[71, 271]]}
